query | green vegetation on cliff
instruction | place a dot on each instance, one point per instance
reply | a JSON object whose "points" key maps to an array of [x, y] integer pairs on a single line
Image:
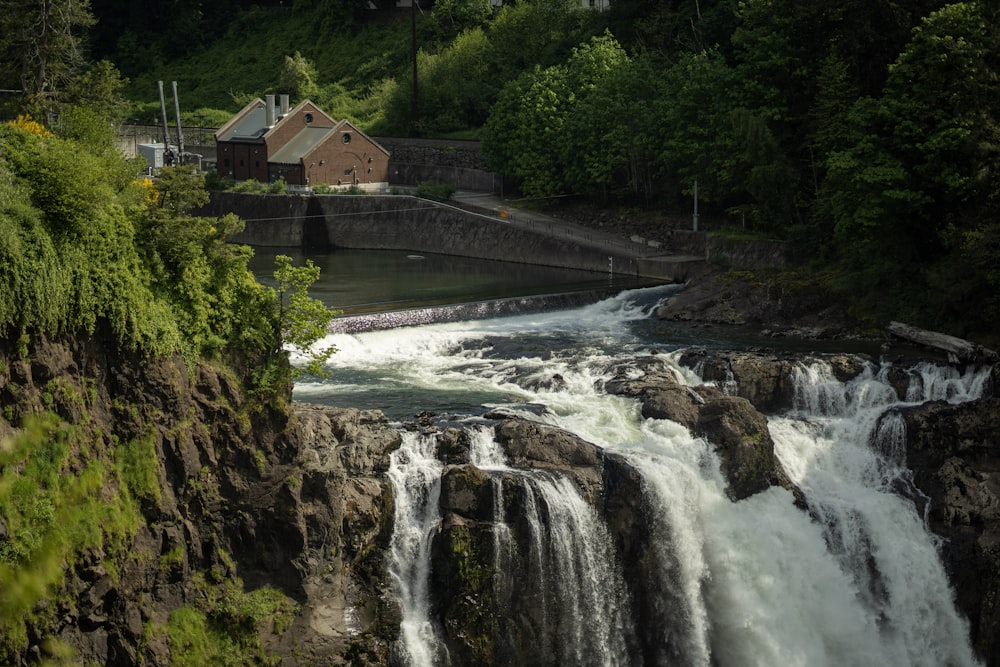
{"points": [[129, 328], [84, 242]]}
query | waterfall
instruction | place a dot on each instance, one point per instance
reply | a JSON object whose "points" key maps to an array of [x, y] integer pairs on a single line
{"points": [[567, 572], [855, 580], [844, 447], [416, 482]]}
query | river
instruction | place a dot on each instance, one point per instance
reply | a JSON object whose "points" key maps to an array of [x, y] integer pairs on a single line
{"points": [[855, 581]]}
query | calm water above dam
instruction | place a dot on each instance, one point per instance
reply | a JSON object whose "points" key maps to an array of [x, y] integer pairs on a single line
{"points": [[365, 281]]}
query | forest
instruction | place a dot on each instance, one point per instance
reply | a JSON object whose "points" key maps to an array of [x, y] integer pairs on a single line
{"points": [[863, 132]]}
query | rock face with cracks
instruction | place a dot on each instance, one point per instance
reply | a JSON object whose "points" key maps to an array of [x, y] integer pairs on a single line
{"points": [[234, 499]]}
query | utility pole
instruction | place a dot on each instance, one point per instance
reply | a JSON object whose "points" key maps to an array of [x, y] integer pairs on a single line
{"points": [[695, 219], [415, 117]]}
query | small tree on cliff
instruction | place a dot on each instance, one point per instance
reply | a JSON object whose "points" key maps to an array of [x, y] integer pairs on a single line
{"points": [[302, 320]]}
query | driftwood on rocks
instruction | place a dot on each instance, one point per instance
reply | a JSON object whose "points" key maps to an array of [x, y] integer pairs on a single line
{"points": [[958, 349]]}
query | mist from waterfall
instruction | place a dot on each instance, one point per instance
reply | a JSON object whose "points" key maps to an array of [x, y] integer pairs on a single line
{"points": [[856, 580]]}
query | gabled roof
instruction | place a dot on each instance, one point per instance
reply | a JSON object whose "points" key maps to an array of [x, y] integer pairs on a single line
{"points": [[301, 144], [346, 124], [250, 124], [326, 121]]}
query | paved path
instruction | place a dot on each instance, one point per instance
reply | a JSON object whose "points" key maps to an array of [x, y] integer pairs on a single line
{"points": [[650, 252]]}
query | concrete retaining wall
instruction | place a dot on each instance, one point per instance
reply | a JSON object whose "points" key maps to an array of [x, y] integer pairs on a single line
{"points": [[320, 223]]}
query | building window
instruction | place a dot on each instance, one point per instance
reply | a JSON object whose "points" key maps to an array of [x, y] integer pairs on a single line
{"points": [[309, 118], [225, 162], [347, 172], [347, 137]]}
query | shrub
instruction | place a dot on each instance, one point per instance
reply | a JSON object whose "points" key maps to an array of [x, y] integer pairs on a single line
{"points": [[435, 191]]}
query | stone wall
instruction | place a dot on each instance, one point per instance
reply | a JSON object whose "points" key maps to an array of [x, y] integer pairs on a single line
{"points": [[747, 253], [460, 163]]}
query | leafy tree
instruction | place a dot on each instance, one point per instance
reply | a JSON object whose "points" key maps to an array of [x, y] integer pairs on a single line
{"points": [[87, 126], [537, 33], [299, 77], [455, 87], [691, 137], [938, 100], [914, 172], [302, 320], [595, 141], [523, 135], [101, 89], [194, 268], [42, 47]]}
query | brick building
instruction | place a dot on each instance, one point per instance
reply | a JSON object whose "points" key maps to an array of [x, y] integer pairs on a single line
{"points": [[304, 146]]}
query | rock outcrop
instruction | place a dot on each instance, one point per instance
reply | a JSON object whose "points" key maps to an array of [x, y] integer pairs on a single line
{"points": [[785, 303], [732, 424], [220, 510], [954, 452]]}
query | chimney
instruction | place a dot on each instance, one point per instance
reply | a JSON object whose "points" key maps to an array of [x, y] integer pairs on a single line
{"points": [[284, 105], [269, 110]]}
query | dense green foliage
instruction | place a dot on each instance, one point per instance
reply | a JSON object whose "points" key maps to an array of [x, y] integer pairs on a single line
{"points": [[86, 249], [881, 164], [85, 244], [863, 131]]}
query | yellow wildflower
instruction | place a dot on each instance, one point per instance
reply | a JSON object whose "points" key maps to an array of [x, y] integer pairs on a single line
{"points": [[25, 122]]}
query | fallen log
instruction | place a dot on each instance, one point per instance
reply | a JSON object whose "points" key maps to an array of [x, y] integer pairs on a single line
{"points": [[958, 349]]}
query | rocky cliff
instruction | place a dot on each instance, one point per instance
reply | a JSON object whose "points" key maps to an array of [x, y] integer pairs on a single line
{"points": [[226, 524], [954, 451], [207, 527]]}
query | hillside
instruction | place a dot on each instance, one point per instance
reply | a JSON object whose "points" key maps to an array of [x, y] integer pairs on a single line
{"points": [[863, 134], [863, 137]]}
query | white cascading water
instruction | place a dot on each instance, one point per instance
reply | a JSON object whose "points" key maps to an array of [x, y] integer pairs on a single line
{"points": [[844, 447], [416, 483], [757, 582], [570, 563]]}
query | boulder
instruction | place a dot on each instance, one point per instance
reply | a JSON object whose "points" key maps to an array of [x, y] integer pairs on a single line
{"points": [[529, 444], [736, 429]]}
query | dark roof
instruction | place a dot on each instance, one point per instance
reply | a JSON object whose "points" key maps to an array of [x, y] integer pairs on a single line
{"points": [[251, 126], [299, 145]]}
